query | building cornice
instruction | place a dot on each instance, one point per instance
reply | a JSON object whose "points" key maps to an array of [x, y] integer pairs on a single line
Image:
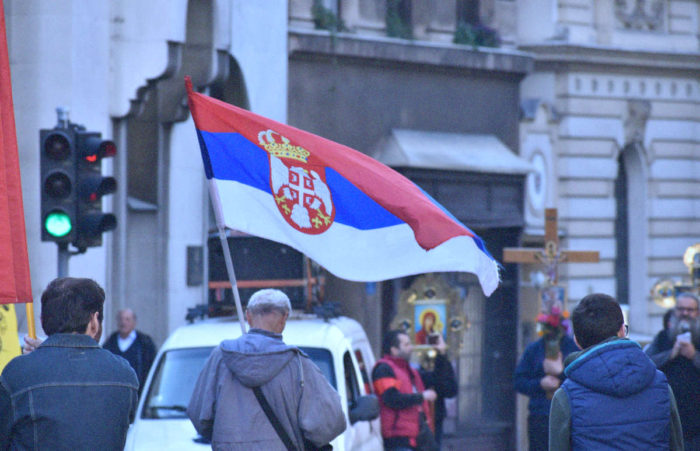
{"points": [[508, 62], [551, 55]]}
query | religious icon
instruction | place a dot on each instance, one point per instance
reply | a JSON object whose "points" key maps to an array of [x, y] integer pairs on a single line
{"points": [[429, 319], [428, 309]]}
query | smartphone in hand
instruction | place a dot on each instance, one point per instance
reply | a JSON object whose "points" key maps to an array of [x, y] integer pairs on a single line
{"points": [[684, 337]]}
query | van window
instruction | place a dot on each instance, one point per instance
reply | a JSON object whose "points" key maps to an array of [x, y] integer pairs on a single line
{"points": [[173, 382], [353, 390], [177, 372], [363, 371], [324, 361]]}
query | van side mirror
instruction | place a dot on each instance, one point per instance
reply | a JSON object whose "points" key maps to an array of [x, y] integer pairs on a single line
{"points": [[366, 408]]}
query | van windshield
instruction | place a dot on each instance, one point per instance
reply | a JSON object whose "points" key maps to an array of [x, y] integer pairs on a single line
{"points": [[177, 372]]}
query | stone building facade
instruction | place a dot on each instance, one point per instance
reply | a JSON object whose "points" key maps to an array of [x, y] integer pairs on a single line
{"points": [[597, 98]]}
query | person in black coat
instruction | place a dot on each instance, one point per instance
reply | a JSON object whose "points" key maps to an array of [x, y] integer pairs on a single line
{"points": [[136, 347], [674, 351], [442, 379]]}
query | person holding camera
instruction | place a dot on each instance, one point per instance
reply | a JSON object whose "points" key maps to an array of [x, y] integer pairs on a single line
{"points": [[440, 378], [404, 402], [674, 351]]}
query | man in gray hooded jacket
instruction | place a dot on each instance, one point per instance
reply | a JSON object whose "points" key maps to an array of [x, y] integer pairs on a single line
{"points": [[223, 406]]}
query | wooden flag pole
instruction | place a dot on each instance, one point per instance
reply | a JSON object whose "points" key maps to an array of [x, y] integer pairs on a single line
{"points": [[221, 227], [216, 202], [31, 329]]}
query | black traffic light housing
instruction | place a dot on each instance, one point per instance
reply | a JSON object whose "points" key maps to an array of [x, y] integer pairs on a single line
{"points": [[58, 189], [91, 185], [73, 186]]}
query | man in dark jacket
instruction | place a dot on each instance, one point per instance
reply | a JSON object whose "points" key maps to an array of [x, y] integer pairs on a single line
{"points": [[136, 347], [613, 396], [535, 377], [224, 408], [442, 379], [69, 393], [674, 351]]}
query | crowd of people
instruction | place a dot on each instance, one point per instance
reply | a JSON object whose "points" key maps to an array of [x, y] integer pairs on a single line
{"points": [[611, 393], [602, 390]]}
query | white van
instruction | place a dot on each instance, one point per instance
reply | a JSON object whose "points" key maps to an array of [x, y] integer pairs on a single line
{"points": [[338, 346]]}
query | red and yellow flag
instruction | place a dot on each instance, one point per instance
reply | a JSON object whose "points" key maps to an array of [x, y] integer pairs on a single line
{"points": [[9, 341], [15, 283]]}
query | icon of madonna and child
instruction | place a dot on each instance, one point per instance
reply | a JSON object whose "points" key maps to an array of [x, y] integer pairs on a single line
{"points": [[430, 323]]}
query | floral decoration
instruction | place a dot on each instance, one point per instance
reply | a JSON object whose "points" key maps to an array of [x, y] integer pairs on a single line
{"points": [[554, 323]]}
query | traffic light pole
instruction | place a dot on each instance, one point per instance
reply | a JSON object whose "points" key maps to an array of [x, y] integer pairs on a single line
{"points": [[63, 256]]}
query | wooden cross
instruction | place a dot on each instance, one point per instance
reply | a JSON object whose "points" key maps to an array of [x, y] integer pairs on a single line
{"points": [[551, 255]]}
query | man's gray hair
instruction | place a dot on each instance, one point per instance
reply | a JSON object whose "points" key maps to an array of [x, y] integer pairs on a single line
{"points": [[687, 294], [267, 301]]}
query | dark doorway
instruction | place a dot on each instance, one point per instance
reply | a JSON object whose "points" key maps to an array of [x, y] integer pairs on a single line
{"points": [[621, 233]]}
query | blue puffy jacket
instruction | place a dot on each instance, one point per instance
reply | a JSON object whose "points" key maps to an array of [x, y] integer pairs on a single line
{"points": [[618, 399]]}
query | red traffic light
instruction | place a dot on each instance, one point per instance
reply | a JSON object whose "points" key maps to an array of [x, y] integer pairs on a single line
{"points": [[93, 186], [92, 148], [107, 149]]}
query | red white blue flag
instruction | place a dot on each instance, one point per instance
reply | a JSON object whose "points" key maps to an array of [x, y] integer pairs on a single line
{"points": [[353, 215]]}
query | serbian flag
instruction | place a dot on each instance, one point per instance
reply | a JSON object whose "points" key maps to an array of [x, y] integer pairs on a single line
{"points": [[15, 284], [356, 217]]}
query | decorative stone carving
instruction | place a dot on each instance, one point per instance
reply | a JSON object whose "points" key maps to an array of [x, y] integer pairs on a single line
{"points": [[635, 123], [640, 16]]}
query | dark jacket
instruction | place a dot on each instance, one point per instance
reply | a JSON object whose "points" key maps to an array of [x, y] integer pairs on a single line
{"points": [[684, 378], [69, 394], [140, 354], [614, 398], [223, 407], [442, 379], [529, 372]]}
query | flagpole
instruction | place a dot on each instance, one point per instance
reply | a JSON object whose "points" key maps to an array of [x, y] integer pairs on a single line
{"points": [[31, 329], [214, 196]]}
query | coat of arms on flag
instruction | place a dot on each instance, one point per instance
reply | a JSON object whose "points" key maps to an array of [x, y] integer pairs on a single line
{"points": [[300, 191]]}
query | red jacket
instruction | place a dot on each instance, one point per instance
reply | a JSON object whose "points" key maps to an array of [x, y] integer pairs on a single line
{"points": [[401, 422]]}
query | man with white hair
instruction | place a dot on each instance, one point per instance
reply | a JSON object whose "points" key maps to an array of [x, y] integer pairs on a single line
{"points": [[135, 346], [226, 405]]}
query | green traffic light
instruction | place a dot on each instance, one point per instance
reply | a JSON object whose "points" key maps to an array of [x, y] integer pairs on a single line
{"points": [[58, 224]]}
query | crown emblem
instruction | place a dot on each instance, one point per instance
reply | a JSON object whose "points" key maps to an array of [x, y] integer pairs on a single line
{"points": [[282, 149]]}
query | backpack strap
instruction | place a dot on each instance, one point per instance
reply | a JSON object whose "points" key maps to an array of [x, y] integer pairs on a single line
{"points": [[273, 419]]}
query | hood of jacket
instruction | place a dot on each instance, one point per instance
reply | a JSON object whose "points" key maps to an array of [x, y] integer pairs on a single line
{"points": [[257, 356], [615, 367]]}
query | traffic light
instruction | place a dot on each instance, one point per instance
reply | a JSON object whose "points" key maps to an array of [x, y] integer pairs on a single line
{"points": [[58, 192], [91, 185]]}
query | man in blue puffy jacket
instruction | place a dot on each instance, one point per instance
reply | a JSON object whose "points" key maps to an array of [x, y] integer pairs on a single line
{"points": [[613, 396]]}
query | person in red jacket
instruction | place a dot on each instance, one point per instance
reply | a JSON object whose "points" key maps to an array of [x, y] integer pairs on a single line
{"points": [[403, 399]]}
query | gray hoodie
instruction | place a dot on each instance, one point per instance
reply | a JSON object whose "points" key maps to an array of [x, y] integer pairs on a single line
{"points": [[224, 409]]}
